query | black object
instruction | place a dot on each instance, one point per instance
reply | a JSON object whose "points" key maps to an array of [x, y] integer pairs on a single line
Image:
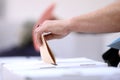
{"points": [[111, 57]]}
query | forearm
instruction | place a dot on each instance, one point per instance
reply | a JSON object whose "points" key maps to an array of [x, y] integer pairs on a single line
{"points": [[104, 20]]}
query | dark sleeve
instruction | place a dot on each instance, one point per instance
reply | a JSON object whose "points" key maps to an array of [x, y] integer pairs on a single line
{"points": [[111, 57]]}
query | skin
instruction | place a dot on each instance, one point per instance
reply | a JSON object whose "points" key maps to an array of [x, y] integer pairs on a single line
{"points": [[104, 20]]}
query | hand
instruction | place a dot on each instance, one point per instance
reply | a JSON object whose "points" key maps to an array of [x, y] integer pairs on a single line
{"points": [[57, 28], [47, 15]]}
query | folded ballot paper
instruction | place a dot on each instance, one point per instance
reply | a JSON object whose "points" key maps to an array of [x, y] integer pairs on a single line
{"points": [[46, 53]]}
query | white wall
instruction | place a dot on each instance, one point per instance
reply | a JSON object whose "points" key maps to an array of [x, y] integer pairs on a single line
{"points": [[74, 45], [22, 10]]}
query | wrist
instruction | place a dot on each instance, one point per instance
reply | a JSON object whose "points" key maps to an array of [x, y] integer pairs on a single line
{"points": [[72, 24], [69, 24], [76, 24]]}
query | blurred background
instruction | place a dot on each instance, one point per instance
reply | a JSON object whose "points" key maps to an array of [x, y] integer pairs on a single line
{"points": [[17, 18]]}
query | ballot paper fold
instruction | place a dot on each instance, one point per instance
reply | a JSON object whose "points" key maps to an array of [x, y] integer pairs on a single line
{"points": [[46, 53]]}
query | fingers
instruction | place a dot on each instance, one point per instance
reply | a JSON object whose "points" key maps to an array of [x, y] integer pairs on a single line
{"points": [[38, 33], [56, 28], [38, 39]]}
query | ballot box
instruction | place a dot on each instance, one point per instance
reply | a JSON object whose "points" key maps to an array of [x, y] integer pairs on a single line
{"points": [[66, 69]]}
